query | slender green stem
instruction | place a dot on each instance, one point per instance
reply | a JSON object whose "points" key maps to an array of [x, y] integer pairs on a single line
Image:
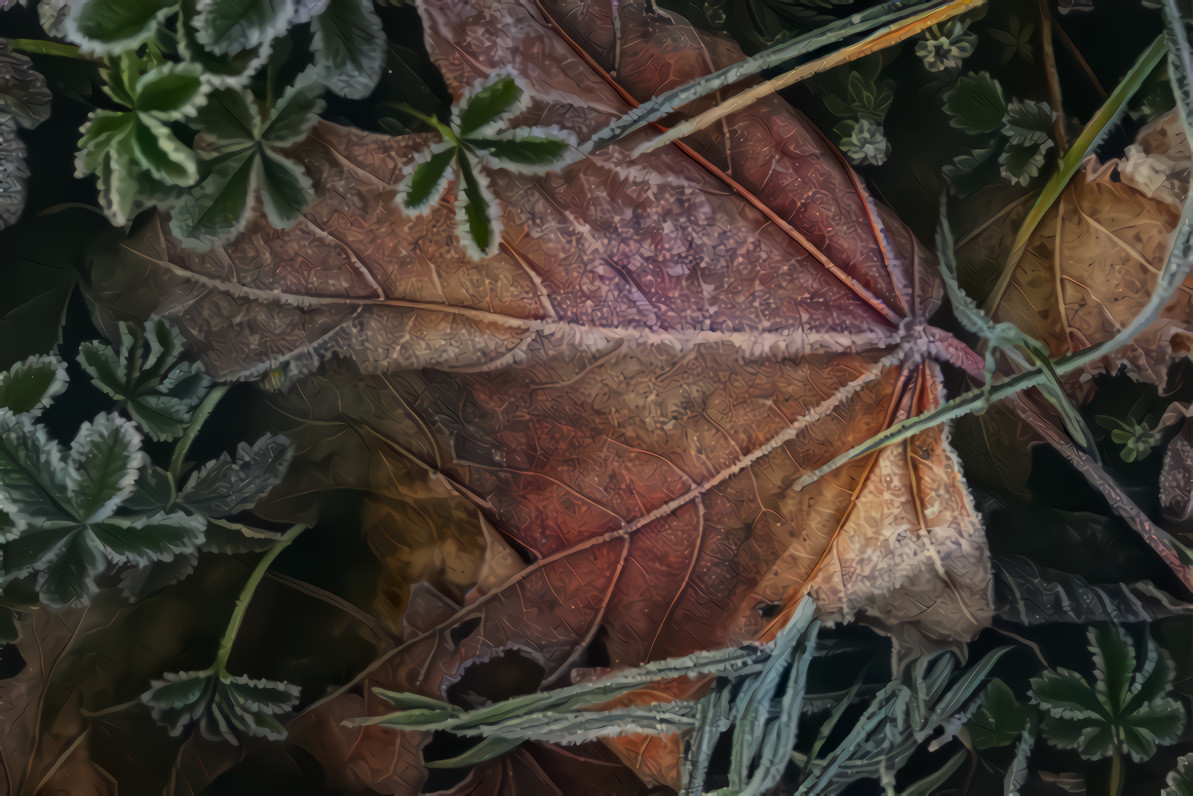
{"points": [[1116, 774], [246, 596], [192, 430], [55, 48]]}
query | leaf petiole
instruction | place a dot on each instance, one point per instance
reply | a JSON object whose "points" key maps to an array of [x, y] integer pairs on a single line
{"points": [[204, 410], [54, 48], [246, 596]]}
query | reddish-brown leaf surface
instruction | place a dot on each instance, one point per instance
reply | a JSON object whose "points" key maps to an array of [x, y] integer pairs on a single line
{"points": [[625, 393]]}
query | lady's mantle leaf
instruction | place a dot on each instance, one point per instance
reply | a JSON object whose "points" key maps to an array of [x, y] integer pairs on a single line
{"points": [[245, 149], [1180, 779], [976, 105], [1000, 718], [486, 102], [227, 485], [113, 26], [1126, 710], [31, 385], [349, 47], [32, 475], [160, 389], [102, 468], [223, 707], [228, 27]]}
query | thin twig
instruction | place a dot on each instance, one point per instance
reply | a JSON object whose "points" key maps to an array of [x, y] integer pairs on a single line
{"points": [[1053, 79], [1071, 46]]}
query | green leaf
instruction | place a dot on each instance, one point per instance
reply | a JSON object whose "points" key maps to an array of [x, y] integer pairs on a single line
{"points": [[154, 490], [223, 706], [160, 152], [119, 189], [1065, 694], [228, 485], [425, 184], [69, 577], [103, 131], [1180, 779], [160, 392], [31, 385], [1019, 165], [1000, 718], [496, 96], [295, 113], [536, 150], [112, 26], [170, 92], [1028, 122], [137, 583], [157, 537], [286, 190], [32, 483], [1158, 724], [1114, 664], [101, 470], [349, 46], [478, 219], [231, 538], [219, 206], [228, 121], [228, 27], [976, 105]]}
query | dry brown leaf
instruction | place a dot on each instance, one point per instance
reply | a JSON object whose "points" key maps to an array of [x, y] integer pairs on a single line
{"points": [[628, 390], [1092, 264]]}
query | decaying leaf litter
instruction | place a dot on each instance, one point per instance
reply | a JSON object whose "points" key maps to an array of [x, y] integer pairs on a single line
{"points": [[607, 358]]}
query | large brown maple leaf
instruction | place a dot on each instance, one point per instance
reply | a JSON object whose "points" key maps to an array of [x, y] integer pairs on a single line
{"points": [[629, 389]]}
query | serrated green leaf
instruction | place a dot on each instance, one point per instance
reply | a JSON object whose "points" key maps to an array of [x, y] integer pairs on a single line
{"points": [[31, 385], [530, 150], [119, 189], [32, 482], [497, 96], [156, 537], [219, 206], [1114, 663], [349, 46], [103, 131], [69, 577], [228, 485], [1019, 165], [111, 26], [229, 27], [1028, 122], [286, 190], [229, 120], [1066, 694], [101, 470], [170, 92], [160, 152], [223, 707], [295, 113], [476, 213], [1158, 724], [159, 391], [136, 583], [428, 180], [231, 538], [999, 719], [1180, 780], [976, 105], [154, 491]]}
